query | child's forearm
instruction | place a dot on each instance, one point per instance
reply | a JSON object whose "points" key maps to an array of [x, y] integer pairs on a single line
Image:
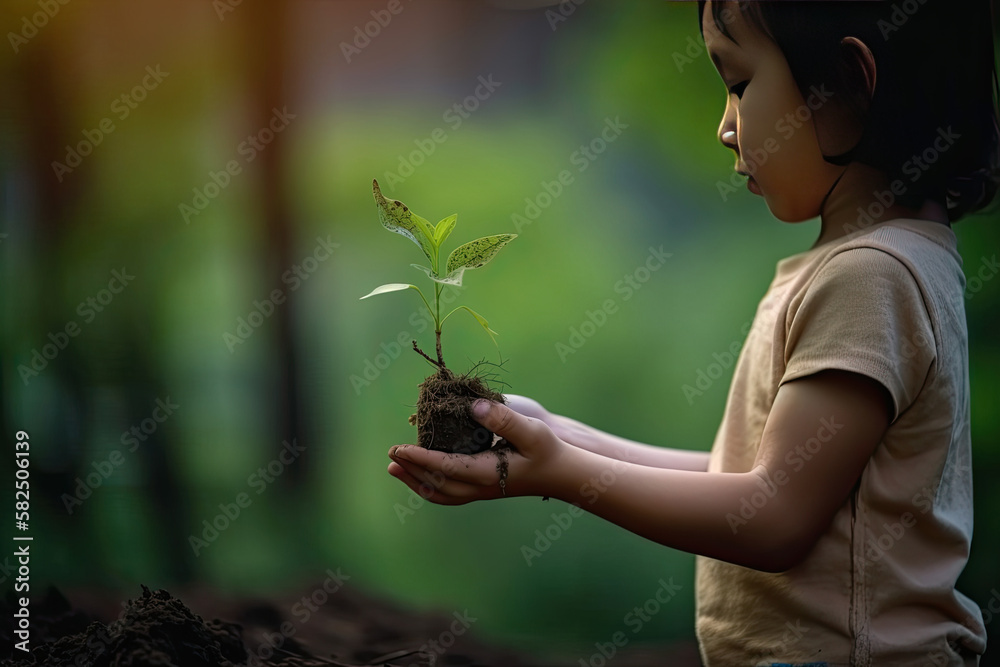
{"points": [[612, 446], [697, 512]]}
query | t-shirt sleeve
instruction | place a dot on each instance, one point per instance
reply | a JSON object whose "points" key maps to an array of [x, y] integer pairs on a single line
{"points": [[863, 312]]}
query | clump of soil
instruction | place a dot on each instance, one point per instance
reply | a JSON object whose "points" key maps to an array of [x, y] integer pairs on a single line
{"points": [[154, 629], [350, 629], [444, 413]]}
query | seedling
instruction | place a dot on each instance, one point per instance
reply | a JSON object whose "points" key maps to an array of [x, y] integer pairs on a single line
{"points": [[442, 419]]}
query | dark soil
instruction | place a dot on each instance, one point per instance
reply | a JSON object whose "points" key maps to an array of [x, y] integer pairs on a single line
{"points": [[351, 628], [158, 629], [155, 628], [443, 418]]}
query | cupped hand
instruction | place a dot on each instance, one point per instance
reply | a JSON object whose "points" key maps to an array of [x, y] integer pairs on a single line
{"points": [[455, 479]]}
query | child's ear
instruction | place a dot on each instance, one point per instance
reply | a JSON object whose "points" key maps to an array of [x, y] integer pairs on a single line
{"points": [[840, 122], [860, 56]]}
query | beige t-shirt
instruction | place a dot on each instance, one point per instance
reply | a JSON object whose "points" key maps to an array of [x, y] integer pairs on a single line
{"points": [[878, 588]]}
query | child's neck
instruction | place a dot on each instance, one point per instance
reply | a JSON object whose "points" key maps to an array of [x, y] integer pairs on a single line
{"points": [[853, 204]]}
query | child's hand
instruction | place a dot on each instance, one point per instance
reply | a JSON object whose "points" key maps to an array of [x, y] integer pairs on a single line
{"points": [[456, 479]]}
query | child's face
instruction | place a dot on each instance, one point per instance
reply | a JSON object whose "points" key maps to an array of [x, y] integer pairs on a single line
{"points": [[767, 122]]}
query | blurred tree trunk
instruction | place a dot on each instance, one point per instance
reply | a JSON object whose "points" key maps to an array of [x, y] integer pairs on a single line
{"points": [[65, 395], [268, 63], [46, 206]]}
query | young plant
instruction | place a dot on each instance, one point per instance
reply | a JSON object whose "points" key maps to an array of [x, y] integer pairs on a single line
{"points": [[442, 409]]}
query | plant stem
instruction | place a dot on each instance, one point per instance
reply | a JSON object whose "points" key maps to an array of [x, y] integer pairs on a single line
{"points": [[424, 355], [437, 322]]}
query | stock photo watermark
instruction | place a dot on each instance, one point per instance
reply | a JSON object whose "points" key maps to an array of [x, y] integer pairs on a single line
{"points": [[437, 647], [302, 610], [363, 35], [627, 287], [770, 483], [591, 490], [695, 46], [104, 468], [581, 158], [901, 13], [793, 633], [915, 167], [634, 620], [988, 270], [248, 149], [122, 108], [392, 349], [561, 13], [99, 639], [786, 127], [883, 539], [223, 7], [264, 308], [424, 491], [892, 532], [454, 116], [30, 25], [259, 481], [88, 309], [991, 608], [705, 377]]}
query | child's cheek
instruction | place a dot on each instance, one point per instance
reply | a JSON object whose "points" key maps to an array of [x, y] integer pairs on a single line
{"points": [[781, 149]]}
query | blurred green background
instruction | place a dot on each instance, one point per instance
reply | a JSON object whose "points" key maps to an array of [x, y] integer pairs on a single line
{"points": [[356, 110]]}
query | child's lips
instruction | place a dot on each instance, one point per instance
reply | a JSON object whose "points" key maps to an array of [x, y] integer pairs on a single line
{"points": [[751, 183]]}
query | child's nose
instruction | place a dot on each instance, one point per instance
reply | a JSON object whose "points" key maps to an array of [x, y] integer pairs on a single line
{"points": [[727, 135], [727, 129]]}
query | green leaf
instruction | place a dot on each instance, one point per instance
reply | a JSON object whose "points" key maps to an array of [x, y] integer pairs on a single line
{"points": [[396, 287], [390, 287], [443, 229], [397, 217], [479, 318], [476, 253], [453, 278]]}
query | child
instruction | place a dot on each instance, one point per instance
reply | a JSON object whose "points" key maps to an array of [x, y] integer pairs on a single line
{"points": [[837, 497]]}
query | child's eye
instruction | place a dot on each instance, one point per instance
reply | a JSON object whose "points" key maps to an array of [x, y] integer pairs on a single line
{"points": [[738, 88]]}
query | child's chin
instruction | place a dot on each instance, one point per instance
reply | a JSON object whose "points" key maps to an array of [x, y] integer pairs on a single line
{"points": [[788, 213]]}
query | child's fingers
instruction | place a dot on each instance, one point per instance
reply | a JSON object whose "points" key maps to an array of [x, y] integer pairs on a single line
{"points": [[423, 490], [398, 471], [435, 485], [434, 496], [421, 476], [479, 469]]}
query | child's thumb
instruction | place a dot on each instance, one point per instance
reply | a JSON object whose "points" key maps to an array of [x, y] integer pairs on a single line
{"points": [[510, 424]]}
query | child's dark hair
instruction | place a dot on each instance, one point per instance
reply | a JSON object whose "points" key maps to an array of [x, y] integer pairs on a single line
{"points": [[936, 76]]}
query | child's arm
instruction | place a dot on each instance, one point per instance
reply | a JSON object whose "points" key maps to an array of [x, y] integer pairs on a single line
{"points": [[699, 512], [606, 444]]}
